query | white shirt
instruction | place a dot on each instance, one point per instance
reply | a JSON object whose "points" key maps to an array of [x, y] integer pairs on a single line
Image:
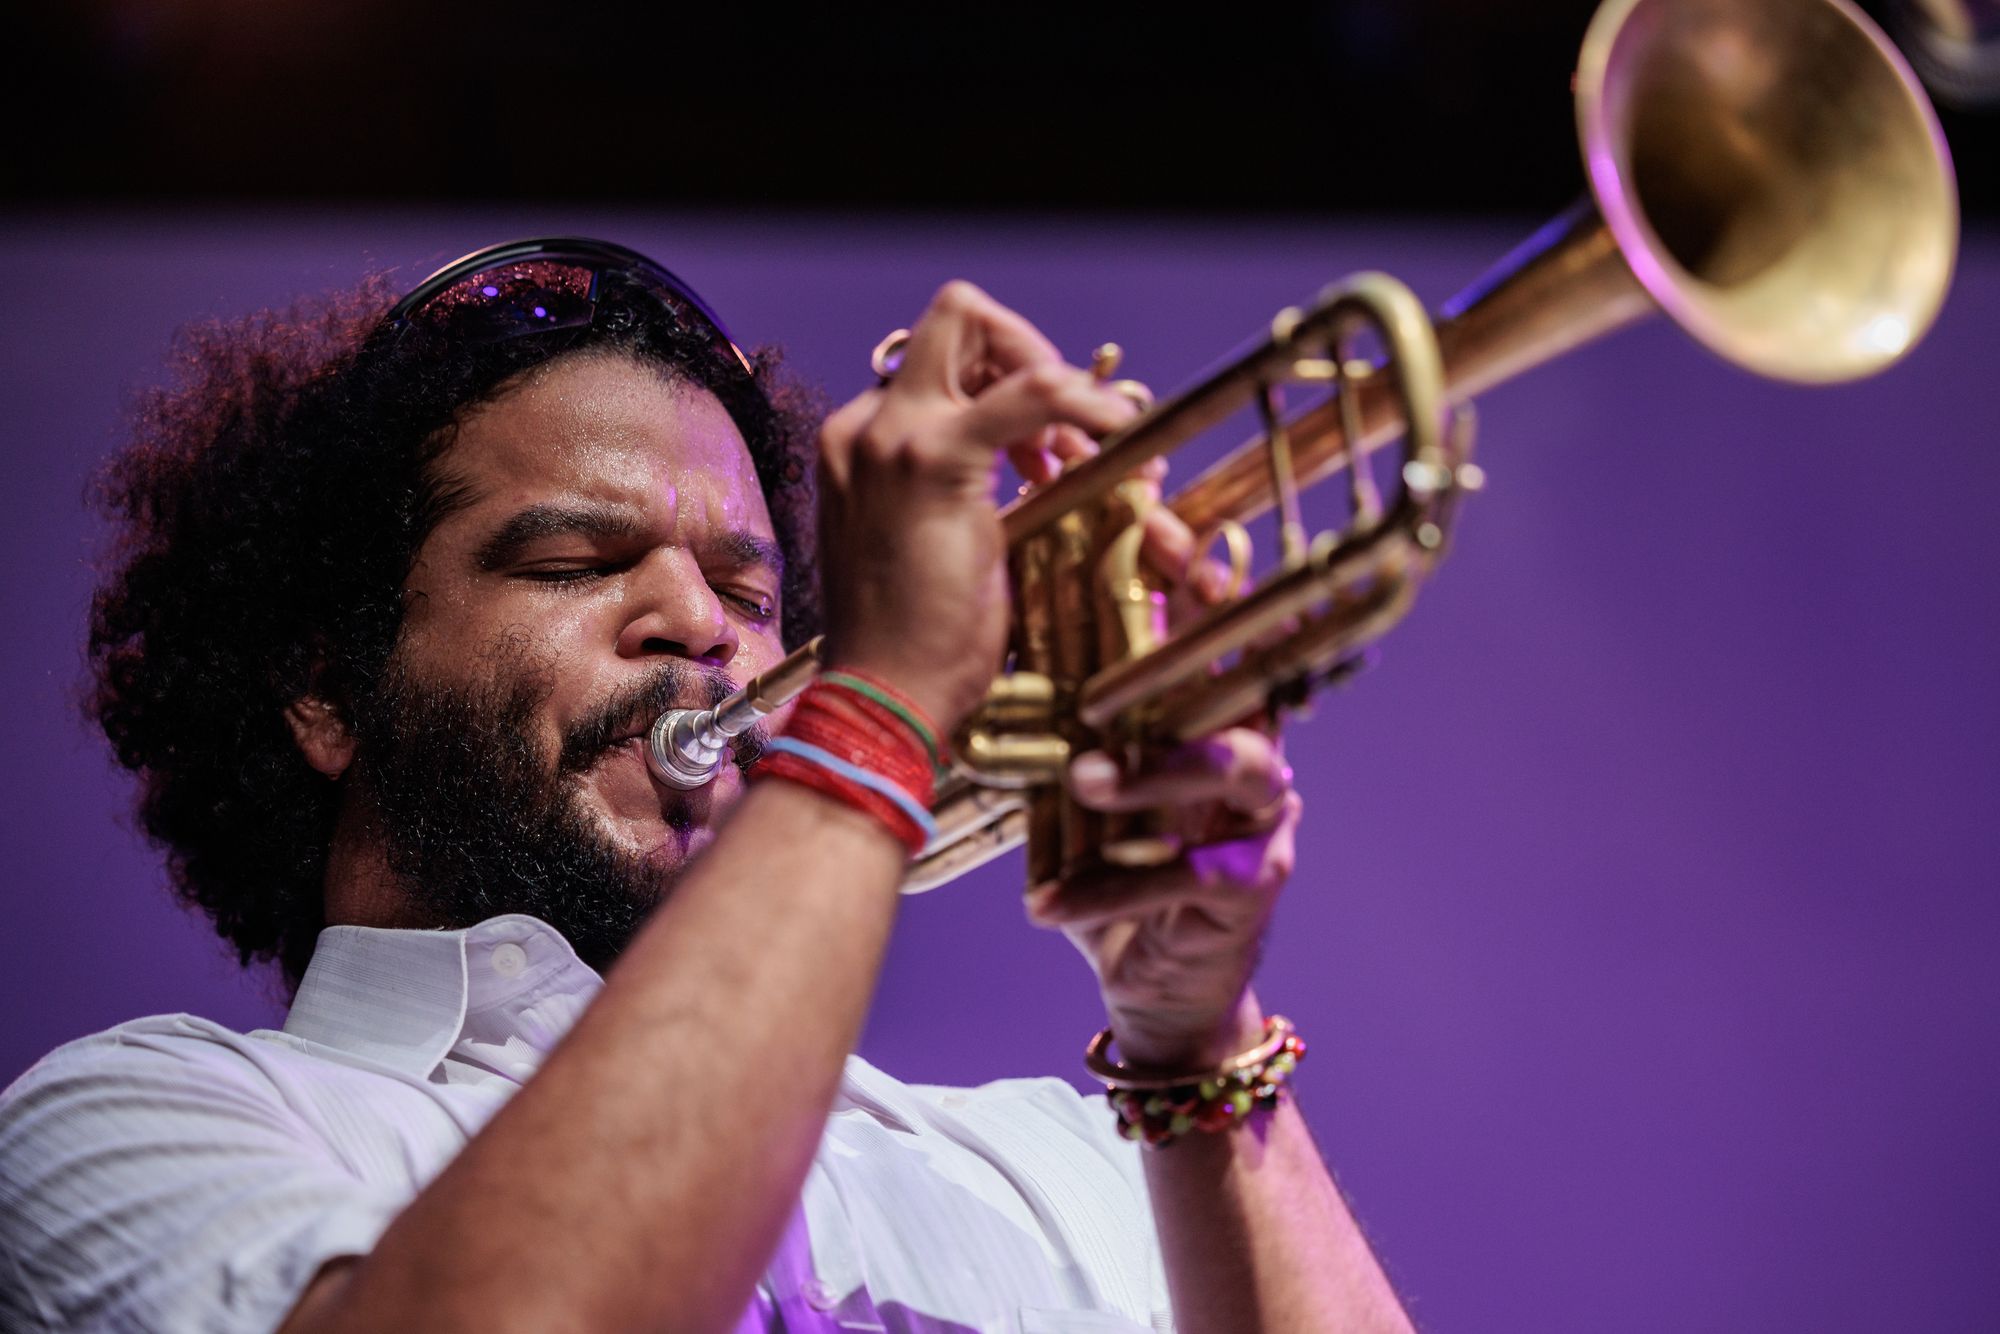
{"points": [[170, 1174]]}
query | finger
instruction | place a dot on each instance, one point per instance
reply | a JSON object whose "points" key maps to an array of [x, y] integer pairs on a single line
{"points": [[1260, 861], [1227, 827], [842, 428], [1210, 581], [1169, 544], [1171, 551], [1036, 459], [1070, 445], [1020, 406], [1110, 893], [964, 341], [1237, 767], [1227, 882]]}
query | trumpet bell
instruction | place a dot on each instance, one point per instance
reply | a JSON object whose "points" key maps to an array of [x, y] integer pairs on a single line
{"points": [[1774, 177]]}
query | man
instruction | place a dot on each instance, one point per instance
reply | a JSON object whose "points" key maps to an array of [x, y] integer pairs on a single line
{"points": [[397, 596]]}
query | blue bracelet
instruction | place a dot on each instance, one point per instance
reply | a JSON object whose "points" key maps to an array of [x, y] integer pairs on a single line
{"points": [[854, 773]]}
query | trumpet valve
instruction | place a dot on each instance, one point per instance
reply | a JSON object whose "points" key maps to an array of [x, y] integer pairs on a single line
{"points": [[1011, 739]]}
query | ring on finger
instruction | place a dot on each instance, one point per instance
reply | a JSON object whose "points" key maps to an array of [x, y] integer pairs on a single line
{"points": [[1227, 825], [1135, 391], [887, 358], [1268, 815]]}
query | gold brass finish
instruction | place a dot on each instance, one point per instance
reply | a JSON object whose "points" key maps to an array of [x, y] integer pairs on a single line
{"points": [[1766, 173], [1236, 541], [1011, 740], [1141, 608]]}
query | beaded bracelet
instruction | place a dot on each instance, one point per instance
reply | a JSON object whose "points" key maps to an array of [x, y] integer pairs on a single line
{"points": [[1159, 1110], [856, 740], [882, 694]]}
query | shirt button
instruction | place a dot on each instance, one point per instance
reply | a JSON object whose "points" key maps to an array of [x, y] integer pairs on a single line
{"points": [[509, 959], [819, 1294]]}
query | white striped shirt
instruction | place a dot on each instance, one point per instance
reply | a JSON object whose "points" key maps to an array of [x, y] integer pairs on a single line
{"points": [[169, 1174]]}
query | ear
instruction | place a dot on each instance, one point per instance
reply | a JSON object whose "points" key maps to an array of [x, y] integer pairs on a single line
{"points": [[321, 733]]}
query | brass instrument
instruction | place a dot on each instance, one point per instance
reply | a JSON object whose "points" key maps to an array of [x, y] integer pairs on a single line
{"points": [[1765, 172]]}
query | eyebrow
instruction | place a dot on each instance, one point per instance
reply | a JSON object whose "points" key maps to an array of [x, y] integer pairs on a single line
{"points": [[741, 548], [540, 522]]}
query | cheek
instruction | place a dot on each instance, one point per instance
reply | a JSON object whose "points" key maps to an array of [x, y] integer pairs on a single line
{"points": [[490, 656], [461, 635]]}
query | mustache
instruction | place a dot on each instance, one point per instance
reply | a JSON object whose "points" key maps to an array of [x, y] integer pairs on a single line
{"points": [[671, 685]]}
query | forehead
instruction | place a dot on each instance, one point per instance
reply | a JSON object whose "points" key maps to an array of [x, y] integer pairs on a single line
{"points": [[605, 427]]}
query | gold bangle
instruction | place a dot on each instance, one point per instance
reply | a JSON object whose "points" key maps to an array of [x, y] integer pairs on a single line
{"points": [[1115, 1075]]}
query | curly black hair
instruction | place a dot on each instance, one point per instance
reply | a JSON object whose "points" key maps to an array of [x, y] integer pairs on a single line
{"points": [[266, 514]]}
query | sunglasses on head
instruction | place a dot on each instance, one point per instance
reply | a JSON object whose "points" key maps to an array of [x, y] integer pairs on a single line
{"points": [[525, 287]]}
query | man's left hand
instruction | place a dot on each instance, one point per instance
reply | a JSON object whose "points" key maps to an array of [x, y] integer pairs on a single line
{"points": [[1174, 945]]}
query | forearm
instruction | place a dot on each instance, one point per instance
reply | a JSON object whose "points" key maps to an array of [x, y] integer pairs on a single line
{"points": [[1257, 1237], [648, 1169]]}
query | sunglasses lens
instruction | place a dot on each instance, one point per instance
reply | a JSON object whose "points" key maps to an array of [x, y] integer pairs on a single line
{"points": [[513, 299], [538, 293]]}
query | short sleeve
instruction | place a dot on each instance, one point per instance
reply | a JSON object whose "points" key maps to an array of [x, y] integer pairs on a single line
{"points": [[154, 1180]]}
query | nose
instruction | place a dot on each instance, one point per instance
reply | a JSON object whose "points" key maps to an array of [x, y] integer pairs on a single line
{"points": [[675, 613]]}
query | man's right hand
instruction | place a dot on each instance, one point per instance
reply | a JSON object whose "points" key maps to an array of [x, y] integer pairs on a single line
{"points": [[914, 561]]}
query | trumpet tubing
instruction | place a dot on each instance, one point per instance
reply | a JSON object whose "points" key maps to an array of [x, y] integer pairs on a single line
{"points": [[1767, 173]]}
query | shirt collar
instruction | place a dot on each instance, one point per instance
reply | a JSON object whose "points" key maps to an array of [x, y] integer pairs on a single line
{"points": [[502, 994], [405, 999]]}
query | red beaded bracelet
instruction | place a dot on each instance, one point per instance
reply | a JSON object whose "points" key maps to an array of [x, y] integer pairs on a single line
{"points": [[1156, 1110], [852, 739]]}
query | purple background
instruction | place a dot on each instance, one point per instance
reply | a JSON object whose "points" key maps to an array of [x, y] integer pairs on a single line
{"points": [[1645, 926]]}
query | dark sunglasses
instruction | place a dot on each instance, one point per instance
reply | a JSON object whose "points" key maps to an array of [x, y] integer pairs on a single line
{"points": [[525, 287]]}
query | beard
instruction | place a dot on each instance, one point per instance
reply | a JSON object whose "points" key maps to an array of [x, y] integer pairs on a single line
{"points": [[476, 819]]}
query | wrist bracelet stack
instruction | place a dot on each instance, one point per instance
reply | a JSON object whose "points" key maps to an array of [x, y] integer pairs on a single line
{"points": [[1159, 1110], [856, 739]]}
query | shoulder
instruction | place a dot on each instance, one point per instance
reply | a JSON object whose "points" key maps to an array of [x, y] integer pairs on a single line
{"points": [[177, 1084], [157, 1054], [171, 1080], [172, 1173], [159, 1045], [184, 1091]]}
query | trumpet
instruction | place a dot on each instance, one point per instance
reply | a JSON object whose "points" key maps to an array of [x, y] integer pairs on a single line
{"points": [[1766, 173]]}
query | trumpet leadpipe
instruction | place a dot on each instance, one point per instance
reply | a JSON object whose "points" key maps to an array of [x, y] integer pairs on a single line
{"points": [[686, 748]]}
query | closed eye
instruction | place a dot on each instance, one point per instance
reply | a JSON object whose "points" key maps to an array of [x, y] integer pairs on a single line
{"points": [[757, 606], [568, 574]]}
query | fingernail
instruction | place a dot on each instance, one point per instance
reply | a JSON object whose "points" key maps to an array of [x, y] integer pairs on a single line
{"points": [[1038, 903], [1093, 770]]}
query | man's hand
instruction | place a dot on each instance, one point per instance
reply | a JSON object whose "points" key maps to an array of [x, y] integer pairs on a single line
{"points": [[916, 586], [1174, 946], [1253, 1233]]}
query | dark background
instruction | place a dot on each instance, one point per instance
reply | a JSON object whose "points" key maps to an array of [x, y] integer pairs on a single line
{"points": [[1374, 106]]}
